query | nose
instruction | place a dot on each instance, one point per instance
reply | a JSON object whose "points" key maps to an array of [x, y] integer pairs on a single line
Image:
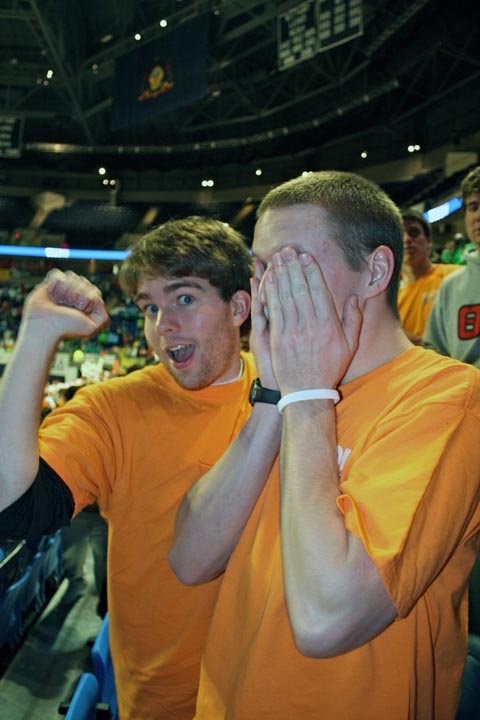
{"points": [[166, 321]]}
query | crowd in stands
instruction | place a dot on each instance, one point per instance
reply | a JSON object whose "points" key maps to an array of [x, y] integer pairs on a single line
{"points": [[454, 250], [123, 337]]}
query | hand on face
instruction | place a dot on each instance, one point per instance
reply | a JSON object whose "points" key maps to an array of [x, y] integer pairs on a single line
{"points": [[310, 346], [260, 335]]}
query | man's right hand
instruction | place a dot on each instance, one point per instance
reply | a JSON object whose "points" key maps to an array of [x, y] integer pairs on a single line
{"points": [[65, 304], [260, 335]]}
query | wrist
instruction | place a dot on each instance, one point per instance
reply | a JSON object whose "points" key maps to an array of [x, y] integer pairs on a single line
{"points": [[328, 394], [37, 336]]}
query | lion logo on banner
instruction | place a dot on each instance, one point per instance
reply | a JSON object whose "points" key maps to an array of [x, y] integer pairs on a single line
{"points": [[158, 82]]}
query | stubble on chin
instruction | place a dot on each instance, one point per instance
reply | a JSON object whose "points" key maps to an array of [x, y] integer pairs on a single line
{"points": [[189, 381]]}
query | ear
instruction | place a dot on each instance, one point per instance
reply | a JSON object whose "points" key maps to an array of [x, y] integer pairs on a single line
{"points": [[240, 307], [380, 270]]}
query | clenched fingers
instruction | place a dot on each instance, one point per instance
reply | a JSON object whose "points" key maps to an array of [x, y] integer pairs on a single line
{"points": [[74, 291]]}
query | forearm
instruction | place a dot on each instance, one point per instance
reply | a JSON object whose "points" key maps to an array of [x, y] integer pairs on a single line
{"points": [[335, 598], [214, 512], [21, 393]]}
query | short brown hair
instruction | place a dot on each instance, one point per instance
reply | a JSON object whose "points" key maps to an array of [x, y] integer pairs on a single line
{"points": [[360, 215], [193, 246], [413, 214], [470, 183]]}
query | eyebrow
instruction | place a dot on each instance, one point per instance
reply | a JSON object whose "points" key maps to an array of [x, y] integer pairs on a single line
{"points": [[173, 287]]}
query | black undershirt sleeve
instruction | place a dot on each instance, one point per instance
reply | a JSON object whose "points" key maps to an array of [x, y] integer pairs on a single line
{"points": [[44, 508]]}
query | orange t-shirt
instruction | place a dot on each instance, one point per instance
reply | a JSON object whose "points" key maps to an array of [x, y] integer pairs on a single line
{"points": [[415, 299], [136, 445], [409, 460]]}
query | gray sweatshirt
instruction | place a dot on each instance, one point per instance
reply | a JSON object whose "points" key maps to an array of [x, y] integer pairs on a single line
{"points": [[453, 327]]}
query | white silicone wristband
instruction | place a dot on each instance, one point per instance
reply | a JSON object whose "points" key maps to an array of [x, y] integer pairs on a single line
{"points": [[320, 394]]}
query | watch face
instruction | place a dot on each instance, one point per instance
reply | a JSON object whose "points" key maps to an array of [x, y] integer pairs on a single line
{"points": [[253, 395]]}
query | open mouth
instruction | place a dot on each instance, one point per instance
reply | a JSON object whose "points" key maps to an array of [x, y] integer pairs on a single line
{"points": [[181, 353]]}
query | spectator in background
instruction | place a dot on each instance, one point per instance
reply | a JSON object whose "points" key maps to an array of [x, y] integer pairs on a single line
{"points": [[135, 444], [420, 277], [454, 249], [454, 325]]}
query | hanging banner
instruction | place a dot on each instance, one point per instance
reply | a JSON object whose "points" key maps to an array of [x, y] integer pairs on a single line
{"points": [[162, 75], [297, 35], [339, 21], [314, 26]]}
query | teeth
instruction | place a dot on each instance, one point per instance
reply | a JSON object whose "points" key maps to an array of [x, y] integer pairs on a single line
{"points": [[173, 351]]}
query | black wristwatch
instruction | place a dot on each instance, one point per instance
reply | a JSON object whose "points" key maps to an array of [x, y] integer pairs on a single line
{"points": [[261, 394]]}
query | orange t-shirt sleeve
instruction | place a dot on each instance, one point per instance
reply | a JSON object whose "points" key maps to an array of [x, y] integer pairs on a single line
{"points": [[78, 443]]}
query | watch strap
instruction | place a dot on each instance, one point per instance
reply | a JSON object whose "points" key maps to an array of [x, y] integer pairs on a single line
{"points": [[264, 395]]}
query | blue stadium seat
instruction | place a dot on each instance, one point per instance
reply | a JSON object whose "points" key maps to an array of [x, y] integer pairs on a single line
{"points": [[83, 705], [469, 708], [12, 604], [26, 594], [103, 668], [52, 557], [10, 568], [36, 583], [93, 217], [17, 557], [474, 600]]}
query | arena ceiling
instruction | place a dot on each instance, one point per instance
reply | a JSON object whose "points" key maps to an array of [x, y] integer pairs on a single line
{"points": [[411, 77]]}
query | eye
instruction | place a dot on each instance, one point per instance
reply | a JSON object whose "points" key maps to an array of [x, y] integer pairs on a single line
{"points": [[150, 310], [413, 232], [185, 299]]}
